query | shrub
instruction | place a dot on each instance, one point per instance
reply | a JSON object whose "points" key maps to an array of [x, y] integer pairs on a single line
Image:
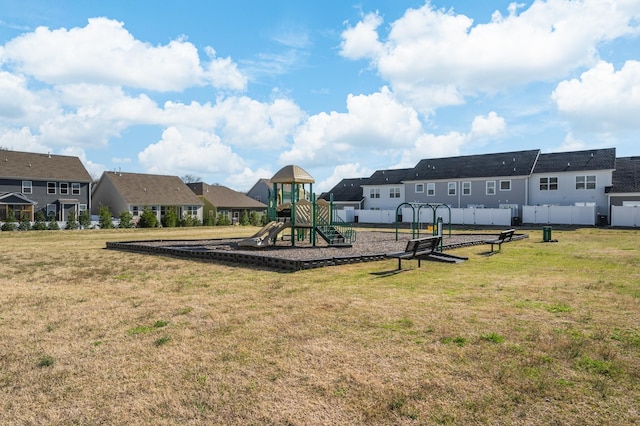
{"points": [[53, 225], [170, 219], [223, 220], [148, 219], [126, 220], [25, 223], [244, 218], [210, 220], [104, 217], [9, 224], [72, 223], [255, 218], [39, 224], [85, 219]]}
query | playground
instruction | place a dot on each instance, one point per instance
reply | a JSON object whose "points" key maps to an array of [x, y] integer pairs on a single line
{"points": [[303, 232]]}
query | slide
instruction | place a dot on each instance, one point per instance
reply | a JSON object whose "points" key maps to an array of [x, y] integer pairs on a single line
{"points": [[264, 237]]}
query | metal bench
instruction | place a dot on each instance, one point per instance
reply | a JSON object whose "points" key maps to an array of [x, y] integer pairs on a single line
{"points": [[504, 237], [425, 248]]}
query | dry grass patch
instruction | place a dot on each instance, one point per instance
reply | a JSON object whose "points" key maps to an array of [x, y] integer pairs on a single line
{"points": [[538, 334]]}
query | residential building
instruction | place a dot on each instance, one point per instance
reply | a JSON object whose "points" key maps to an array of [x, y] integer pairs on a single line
{"points": [[573, 179], [225, 201], [385, 190], [625, 187], [347, 194], [55, 185], [133, 192]]}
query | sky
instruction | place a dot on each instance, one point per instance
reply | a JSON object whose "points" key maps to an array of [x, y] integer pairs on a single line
{"points": [[231, 92]]}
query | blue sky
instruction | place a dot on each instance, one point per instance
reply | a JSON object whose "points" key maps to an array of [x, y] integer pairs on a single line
{"points": [[233, 91]]}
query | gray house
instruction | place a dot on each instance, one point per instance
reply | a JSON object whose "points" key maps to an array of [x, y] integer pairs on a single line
{"points": [[625, 188], [55, 185], [490, 180], [133, 192], [226, 201], [346, 194], [573, 178]]}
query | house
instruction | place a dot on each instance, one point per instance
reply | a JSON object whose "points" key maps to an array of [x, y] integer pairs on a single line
{"points": [[346, 194], [260, 190], [497, 180], [226, 201], [133, 192], [573, 179], [385, 190], [625, 187], [55, 185]]}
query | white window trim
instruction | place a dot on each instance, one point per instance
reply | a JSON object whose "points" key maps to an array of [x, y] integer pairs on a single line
{"points": [[463, 188], [501, 182], [55, 188], [451, 185], [431, 189], [27, 187], [75, 188], [66, 186], [419, 188], [487, 185]]}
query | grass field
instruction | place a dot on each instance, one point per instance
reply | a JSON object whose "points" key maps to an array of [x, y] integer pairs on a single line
{"points": [[542, 333]]}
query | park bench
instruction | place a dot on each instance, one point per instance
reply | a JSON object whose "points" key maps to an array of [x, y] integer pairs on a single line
{"points": [[504, 237], [424, 248]]}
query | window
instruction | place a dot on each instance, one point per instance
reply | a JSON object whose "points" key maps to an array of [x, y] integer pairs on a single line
{"points": [[394, 193], [27, 187], [82, 207], [374, 193], [135, 211], [51, 187], [192, 211], [466, 188], [64, 188], [51, 211], [431, 189], [75, 188], [452, 187], [505, 185], [419, 187], [491, 187], [549, 184], [585, 182]]}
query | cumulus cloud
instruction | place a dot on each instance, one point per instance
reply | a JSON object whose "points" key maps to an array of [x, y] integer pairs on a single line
{"points": [[244, 180], [602, 98], [488, 126], [342, 171], [435, 58], [104, 52], [185, 150], [375, 122]]}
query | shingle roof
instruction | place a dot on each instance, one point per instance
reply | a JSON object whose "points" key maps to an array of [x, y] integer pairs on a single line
{"points": [[223, 197], [34, 166], [626, 177], [387, 177], [346, 190], [292, 174], [143, 189], [595, 159], [518, 163]]}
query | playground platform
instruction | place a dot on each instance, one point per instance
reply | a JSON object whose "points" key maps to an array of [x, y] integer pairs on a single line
{"points": [[370, 246]]}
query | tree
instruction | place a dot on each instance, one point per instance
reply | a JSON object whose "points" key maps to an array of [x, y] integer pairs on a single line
{"points": [[244, 219], [223, 220], [126, 220], [85, 219], [39, 224], [53, 223], [170, 218], [9, 224], [191, 179], [72, 223], [148, 218], [104, 217], [255, 218]]}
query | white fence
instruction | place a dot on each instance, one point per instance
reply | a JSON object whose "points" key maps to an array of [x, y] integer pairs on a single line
{"points": [[500, 217], [628, 216], [561, 215]]}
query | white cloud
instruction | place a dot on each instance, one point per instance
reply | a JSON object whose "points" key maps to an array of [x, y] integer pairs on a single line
{"points": [[21, 140], [490, 125], [104, 52], [434, 58], [375, 123], [602, 98], [95, 170], [342, 171], [185, 150], [244, 180]]}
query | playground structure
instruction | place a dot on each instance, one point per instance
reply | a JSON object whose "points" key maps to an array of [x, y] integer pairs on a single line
{"points": [[293, 206], [437, 223]]}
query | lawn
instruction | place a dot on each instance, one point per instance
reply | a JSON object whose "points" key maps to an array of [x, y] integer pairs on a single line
{"points": [[541, 333]]}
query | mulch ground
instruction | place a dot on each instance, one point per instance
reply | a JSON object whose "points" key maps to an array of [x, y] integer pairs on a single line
{"points": [[368, 246]]}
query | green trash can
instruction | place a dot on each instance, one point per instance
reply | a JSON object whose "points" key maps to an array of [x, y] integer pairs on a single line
{"points": [[546, 234]]}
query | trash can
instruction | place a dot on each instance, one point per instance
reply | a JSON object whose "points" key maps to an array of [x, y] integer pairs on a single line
{"points": [[546, 234]]}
